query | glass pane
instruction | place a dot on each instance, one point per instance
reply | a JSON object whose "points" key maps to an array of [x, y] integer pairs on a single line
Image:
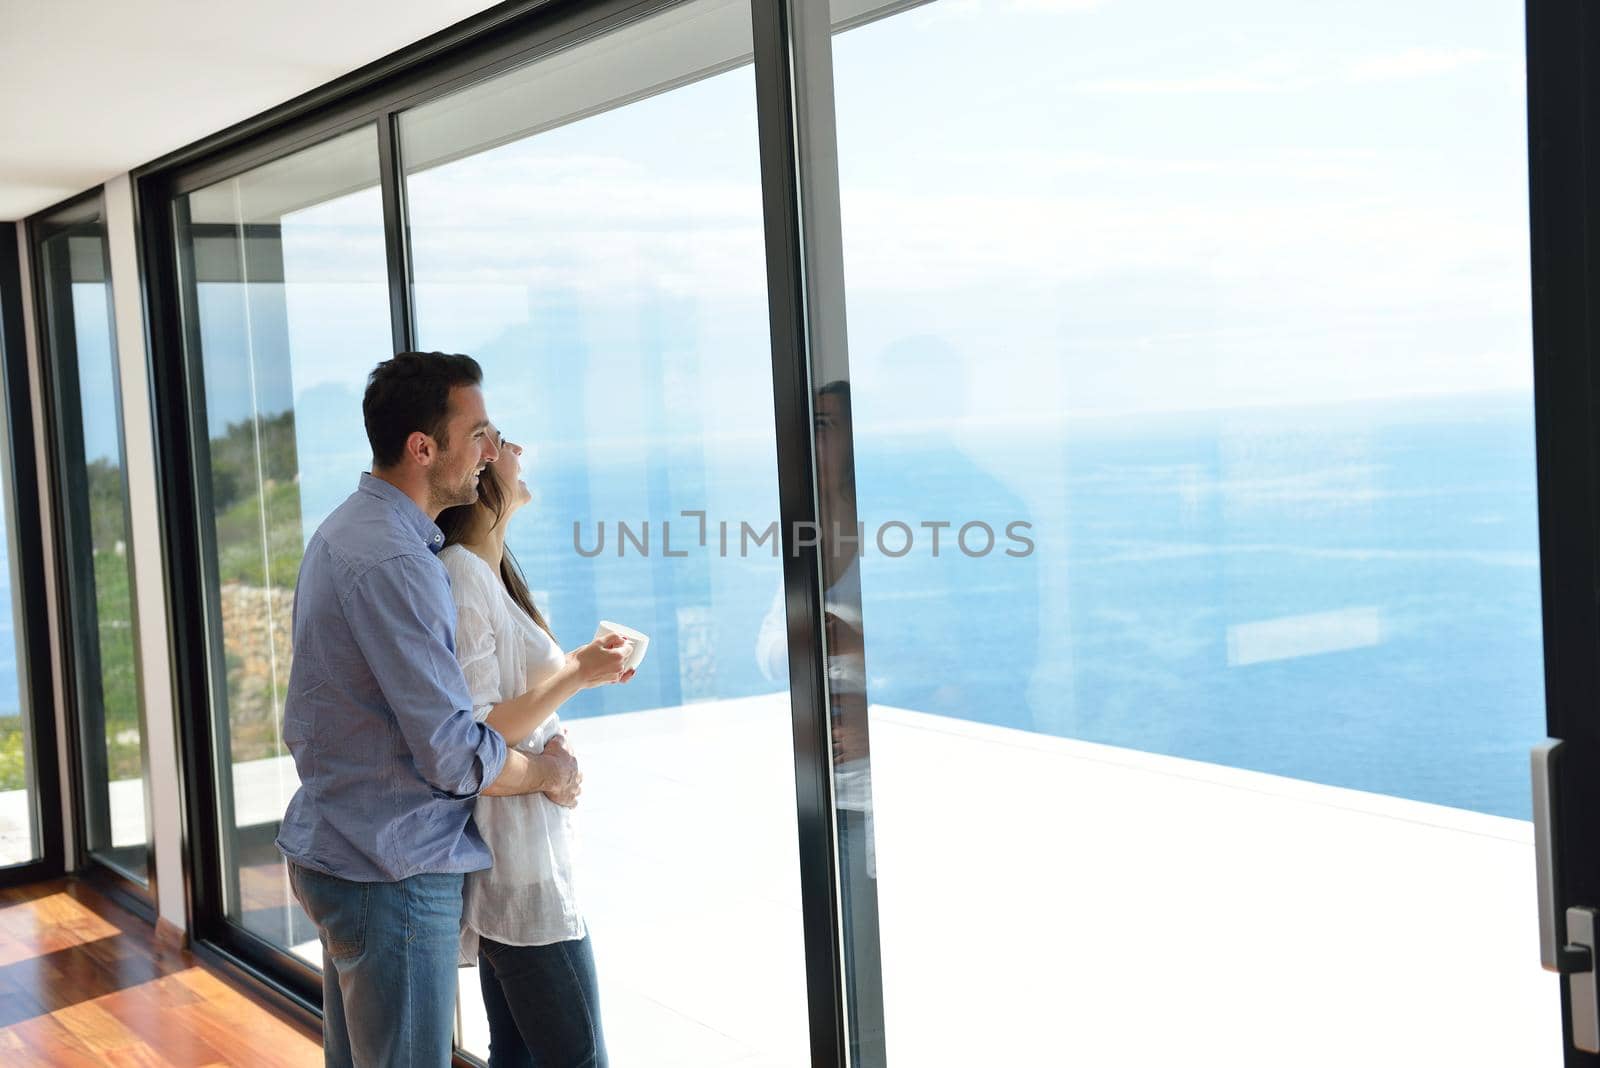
{"points": [[19, 824], [590, 229], [287, 309], [83, 357], [1205, 328]]}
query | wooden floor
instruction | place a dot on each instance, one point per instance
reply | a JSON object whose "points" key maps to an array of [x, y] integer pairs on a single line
{"points": [[84, 982]]}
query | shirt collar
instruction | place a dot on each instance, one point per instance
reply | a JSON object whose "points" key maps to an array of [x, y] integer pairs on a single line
{"points": [[415, 518]]}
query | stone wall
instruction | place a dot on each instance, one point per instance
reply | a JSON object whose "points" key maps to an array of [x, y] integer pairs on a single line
{"points": [[256, 639]]}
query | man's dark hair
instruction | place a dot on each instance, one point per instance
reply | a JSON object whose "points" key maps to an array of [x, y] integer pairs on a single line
{"points": [[409, 393]]}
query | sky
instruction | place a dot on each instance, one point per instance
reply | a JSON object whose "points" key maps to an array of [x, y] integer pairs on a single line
{"points": [[1051, 210]]}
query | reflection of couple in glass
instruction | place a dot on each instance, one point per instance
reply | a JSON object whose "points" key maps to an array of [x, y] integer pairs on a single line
{"points": [[433, 821], [840, 541]]}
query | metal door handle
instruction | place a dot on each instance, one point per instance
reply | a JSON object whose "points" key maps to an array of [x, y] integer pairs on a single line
{"points": [[1573, 955], [1581, 986], [1546, 768]]}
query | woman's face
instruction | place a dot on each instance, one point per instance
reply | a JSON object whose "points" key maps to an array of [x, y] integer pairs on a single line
{"points": [[507, 471], [831, 425]]}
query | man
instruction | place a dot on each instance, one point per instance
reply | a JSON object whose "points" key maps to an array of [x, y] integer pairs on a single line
{"points": [[378, 717]]}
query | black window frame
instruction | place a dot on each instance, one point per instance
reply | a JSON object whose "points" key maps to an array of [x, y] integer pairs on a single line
{"points": [[33, 639], [73, 559], [1563, 65]]}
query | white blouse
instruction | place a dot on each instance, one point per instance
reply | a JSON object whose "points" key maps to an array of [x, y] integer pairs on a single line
{"points": [[847, 674], [526, 898]]}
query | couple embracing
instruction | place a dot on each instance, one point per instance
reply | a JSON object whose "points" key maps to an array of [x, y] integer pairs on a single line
{"points": [[432, 824]]}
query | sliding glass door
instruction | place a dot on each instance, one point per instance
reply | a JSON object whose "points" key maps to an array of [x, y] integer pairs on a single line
{"points": [[71, 265], [285, 307], [589, 228], [30, 811], [1188, 418]]}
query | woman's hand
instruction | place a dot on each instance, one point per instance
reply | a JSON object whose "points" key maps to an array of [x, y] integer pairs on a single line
{"points": [[600, 662]]}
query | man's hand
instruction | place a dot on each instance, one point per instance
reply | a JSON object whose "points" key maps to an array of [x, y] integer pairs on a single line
{"points": [[849, 727], [553, 773], [563, 781], [844, 639], [849, 742]]}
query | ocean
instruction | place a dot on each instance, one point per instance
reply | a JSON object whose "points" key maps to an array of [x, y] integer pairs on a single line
{"points": [[1346, 594]]}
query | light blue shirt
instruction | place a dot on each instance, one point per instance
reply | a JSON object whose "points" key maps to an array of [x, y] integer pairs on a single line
{"points": [[378, 715]]}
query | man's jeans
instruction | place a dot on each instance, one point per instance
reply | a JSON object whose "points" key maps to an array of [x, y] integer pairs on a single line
{"points": [[389, 955]]}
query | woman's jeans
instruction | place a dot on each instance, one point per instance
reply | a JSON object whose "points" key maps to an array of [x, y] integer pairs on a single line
{"points": [[543, 1005], [389, 954]]}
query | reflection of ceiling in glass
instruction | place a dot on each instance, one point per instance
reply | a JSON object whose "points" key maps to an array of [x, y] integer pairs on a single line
{"points": [[85, 211], [674, 48], [269, 193], [81, 228], [87, 255]]}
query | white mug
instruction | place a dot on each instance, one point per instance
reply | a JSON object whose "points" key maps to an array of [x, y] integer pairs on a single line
{"points": [[637, 641]]}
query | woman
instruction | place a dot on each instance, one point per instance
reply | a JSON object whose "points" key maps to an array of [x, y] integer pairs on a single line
{"points": [[847, 690], [520, 918]]}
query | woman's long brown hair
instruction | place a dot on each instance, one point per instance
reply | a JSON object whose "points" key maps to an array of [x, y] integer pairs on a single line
{"points": [[454, 522]]}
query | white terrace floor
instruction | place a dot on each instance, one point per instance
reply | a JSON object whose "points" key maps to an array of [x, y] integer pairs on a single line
{"points": [[1044, 902]]}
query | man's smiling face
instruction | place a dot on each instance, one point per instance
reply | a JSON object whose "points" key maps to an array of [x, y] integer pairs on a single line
{"points": [[467, 447]]}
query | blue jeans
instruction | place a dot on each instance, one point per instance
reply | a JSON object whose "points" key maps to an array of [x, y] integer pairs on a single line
{"points": [[543, 1005], [388, 967]]}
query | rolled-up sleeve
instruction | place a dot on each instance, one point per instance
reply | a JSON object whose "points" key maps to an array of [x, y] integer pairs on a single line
{"points": [[403, 618]]}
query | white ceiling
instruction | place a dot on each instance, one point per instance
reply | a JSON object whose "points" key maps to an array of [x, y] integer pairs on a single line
{"points": [[92, 88]]}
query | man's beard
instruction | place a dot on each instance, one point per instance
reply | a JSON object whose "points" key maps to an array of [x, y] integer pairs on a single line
{"points": [[445, 495]]}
